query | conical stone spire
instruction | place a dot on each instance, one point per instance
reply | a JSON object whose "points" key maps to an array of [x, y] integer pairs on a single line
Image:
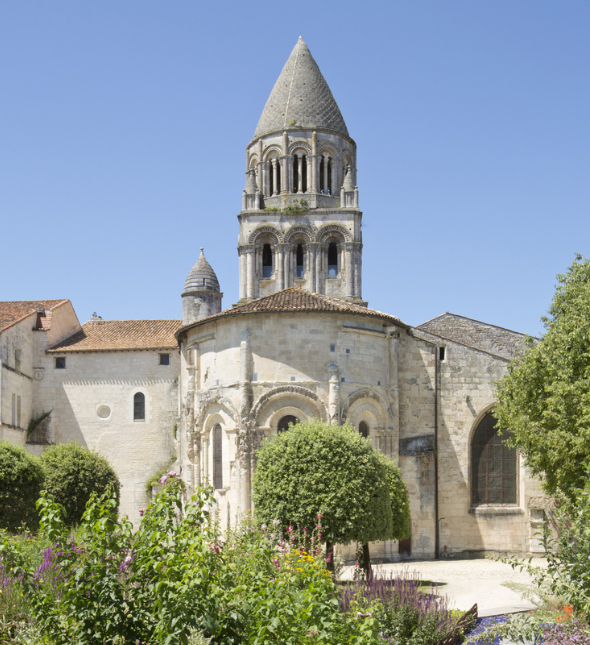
{"points": [[300, 98], [201, 277], [201, 296]]}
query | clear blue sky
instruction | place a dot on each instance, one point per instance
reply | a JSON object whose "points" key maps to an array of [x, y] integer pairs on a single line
{"points": [[124, 127]]}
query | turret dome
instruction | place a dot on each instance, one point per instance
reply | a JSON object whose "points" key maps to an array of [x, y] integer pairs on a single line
{"points": [[201, 277], [300, 98]]}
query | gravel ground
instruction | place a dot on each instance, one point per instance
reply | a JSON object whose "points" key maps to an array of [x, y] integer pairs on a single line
{"points": [[466, 582]]}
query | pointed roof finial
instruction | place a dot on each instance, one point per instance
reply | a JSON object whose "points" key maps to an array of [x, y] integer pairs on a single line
{"points": [[300, 98], [201, 277]]}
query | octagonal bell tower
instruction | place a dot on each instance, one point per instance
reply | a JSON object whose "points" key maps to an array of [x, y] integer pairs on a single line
{"points": [[300, 223]]}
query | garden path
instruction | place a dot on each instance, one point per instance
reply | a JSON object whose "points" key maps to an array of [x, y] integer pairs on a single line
{"points": [[466, 582]]}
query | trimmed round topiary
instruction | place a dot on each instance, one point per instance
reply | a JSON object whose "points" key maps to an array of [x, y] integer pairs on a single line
{"points": [[314, 469], [72, 474], [21, 482]]}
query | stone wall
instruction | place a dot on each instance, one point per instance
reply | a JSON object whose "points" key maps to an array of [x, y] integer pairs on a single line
{"points": [[92, 403]]}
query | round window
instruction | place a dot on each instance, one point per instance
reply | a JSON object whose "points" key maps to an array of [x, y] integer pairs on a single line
{"points": [[104, 412]]}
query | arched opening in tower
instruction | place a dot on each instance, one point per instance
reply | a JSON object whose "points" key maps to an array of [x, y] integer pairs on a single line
{"points": [[299, 262], [332, 260], [266, 261]]}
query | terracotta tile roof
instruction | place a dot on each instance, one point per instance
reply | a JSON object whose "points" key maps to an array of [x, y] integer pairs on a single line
{"points": [[297, 300], [17, 310], [112, 335]]}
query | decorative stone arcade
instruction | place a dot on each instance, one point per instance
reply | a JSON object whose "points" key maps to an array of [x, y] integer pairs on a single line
{"points": [[300, 223]]}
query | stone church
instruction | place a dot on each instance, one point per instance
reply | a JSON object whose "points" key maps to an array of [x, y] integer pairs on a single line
{"points": [[301, 342]]}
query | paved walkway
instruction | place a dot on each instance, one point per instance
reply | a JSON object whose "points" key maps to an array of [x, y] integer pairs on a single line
{"points": [[466, 582]]}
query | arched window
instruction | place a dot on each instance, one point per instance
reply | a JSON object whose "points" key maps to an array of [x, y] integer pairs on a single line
{"points": [[493, 465], [332, 260], [304, 174], [285, 421], [326, 175], [271, 177], [299, 262], [266, 261], [364, 429], [139, 406], [217, 457]]}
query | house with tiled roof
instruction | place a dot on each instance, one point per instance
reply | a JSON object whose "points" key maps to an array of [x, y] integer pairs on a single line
{"points": [[300, 343], [27, 327]]}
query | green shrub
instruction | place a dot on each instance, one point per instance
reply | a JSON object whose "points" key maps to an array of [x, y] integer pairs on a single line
{"points": [[21, 480], [174, 582], [72, 474], [329, 471]]}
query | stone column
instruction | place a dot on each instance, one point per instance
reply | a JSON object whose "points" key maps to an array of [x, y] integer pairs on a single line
{"points": [[299, 173], [206, 458], [334, 393], [280, 266], [319, 273], [358, 271], [349, 268], [276, 169], [325, 174], [243, 276], [250, 277], [334, 190], [312, 176], [392, 335], [288, 282], [311, 265], [244, 430]]}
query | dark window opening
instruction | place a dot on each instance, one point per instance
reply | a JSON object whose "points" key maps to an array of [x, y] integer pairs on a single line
{"points": [[441, 353], [332, 260], [329, 191], [493, 465], [278, 168], [217, 457], [295, 175], [164, 359], [271, 182], [60, 363], [322, 175], [285, 422], [304, 174], [332, 347], [299, 260], [364, 429], [266, 261], [139, 406]]}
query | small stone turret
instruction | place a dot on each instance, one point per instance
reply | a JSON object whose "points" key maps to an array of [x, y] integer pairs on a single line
{"points": [[201, 296]]}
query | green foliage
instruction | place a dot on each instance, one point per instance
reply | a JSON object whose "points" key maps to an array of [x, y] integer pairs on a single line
{"points": [[174, 582], [155, 478], [332, 471], [271, 208], [274, 591], [297, 207], [545, 397], [73, 473], [21, 480], [399, 499]]}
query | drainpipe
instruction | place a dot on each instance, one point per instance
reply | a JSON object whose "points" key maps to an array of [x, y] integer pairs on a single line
{"points": [[436, 520], [437, 524]]}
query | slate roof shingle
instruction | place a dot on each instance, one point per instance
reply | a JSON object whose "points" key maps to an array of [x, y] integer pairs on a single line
{"points": [[113, 335], [14, 311], [294, 300], [300, 97]]}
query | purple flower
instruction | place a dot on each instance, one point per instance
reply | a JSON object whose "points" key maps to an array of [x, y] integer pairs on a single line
{"points": [[164, 479], [141, 512]]}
